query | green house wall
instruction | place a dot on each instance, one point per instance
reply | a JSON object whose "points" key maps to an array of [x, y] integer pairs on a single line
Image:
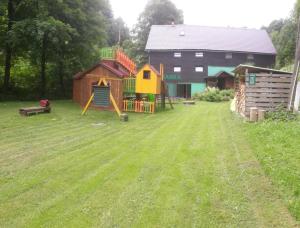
{"points": [[198, 88]]}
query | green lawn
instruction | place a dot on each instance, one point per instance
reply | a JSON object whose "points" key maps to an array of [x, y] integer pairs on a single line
{"points": [[195, 166]]}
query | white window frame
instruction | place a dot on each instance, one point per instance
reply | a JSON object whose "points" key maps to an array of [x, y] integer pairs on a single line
{"points": [[228, 56], [250, 57], [177, 54], [199, 69], [177, 69], [199, 54]]}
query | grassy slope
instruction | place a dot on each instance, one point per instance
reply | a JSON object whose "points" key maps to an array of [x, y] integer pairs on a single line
{"points": [[187, 167], [276, 144]]}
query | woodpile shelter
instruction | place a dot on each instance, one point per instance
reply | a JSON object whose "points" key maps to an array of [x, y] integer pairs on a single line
{"points": [[262, 88]]}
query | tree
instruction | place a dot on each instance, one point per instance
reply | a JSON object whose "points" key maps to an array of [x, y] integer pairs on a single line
{"points": [[283, 33], [118, 32], [156, 12], [60, 34], [11, 17]]}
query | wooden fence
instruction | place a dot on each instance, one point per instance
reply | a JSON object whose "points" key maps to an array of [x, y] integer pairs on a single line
{"points": [[268, 92], [138, 106]]}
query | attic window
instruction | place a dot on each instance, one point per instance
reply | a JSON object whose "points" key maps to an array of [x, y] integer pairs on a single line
{"points": [[177, 54], [146, 74], [228, 56], [250, 57], [182, 33], [199, 55]]}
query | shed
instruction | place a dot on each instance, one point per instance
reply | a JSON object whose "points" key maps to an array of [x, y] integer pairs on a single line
{"points": [[262, 88], [85, 83], [148, 80], [220, 77]]}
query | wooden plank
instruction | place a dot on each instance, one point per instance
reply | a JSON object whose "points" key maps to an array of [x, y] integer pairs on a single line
{"points": [[273, 80], [264, 105], [274, 75], [273, 85], [283, 95], [269, 100], [267, 90]]}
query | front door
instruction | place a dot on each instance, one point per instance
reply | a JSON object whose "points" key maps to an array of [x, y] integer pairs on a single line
{"points": [[184, 90]]}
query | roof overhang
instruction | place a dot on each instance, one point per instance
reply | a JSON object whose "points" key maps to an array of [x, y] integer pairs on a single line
{"points": [[241, 69], [211, 50]]}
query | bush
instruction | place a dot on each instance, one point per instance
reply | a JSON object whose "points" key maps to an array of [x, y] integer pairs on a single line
{"points": [[281, 114], [214, 95]]}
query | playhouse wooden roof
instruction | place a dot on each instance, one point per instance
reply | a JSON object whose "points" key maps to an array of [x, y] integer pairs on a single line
{"points": [[118, 72], [151, 67]]}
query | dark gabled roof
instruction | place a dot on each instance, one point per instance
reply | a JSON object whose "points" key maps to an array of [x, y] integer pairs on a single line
{"points": [[106, 65], [194, 37], [241, 69], [220, 74]]}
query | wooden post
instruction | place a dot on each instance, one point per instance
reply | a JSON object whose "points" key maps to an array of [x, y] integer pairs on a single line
{"points": [[261, 115], [162, 88], [296, 71], [297, 98], [253, 114]]}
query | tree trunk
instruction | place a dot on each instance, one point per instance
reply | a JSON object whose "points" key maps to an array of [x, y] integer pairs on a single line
{"points": [[61, 76], [8, 48], [43, 66]]}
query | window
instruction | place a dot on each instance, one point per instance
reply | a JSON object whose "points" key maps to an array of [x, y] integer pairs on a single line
{"points": [[177, 54], [250, 57], [199, 55], [177, 69], [228, 56], [146, 74], [199, 69], [251, 79]]}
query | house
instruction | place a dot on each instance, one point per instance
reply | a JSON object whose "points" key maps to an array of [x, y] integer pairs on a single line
{"points": [[148, 80], [198, 56]]}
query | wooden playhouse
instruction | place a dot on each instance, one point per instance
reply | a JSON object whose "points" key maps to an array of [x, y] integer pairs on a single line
{"points": [[261, 88], [148, 80], [112, 84], [86, 83]]}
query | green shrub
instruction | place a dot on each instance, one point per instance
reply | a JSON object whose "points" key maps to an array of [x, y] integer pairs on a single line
{"points": [[214, 95], [281, 114]]}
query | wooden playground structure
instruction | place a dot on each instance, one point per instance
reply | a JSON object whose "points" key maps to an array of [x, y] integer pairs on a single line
{"points": [[114, 84]]}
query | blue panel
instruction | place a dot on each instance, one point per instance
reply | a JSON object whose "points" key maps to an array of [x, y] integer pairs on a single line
{"points": [[172, 89], [198, 88], [101, 96]]}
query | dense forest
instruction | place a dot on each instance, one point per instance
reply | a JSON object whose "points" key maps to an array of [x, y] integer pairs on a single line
{"points": [[43, 43]]}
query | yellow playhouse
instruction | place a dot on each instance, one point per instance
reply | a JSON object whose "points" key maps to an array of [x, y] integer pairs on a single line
{"points": [[148, 80]]}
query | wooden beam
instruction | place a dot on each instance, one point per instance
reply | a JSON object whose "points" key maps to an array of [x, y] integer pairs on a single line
{"points": [[113, 100]]}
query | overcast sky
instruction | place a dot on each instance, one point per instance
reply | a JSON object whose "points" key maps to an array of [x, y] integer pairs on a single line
{"points": [[234, 13]]}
